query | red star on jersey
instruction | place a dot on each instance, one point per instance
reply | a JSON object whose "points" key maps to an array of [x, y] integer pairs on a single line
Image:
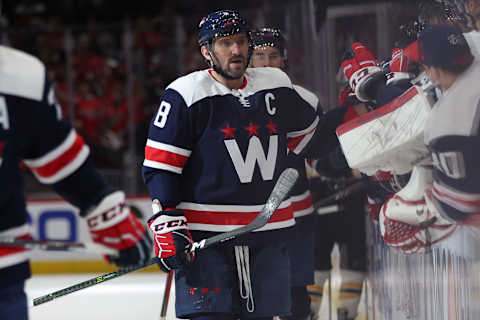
{"points": [[229, 131], [252, 129], [272, 127]]}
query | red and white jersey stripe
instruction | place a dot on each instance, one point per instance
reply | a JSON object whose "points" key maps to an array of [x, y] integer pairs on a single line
{"points": [[297, 140], [224, 218], [461, 201], [60, 162], [164, 156], [11, 256], [302, 204]]}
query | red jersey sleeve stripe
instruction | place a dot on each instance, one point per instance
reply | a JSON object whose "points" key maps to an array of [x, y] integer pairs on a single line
{"points": [[60, 162], [165, 157]]}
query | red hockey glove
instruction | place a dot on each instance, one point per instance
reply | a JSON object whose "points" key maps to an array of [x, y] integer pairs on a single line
{"points": [[113, 224], [398, 67], [362, 71], [172, 239]]}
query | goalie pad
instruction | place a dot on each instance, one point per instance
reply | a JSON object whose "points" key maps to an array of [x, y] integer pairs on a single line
{"points": [[408, 222], [389, 138]]}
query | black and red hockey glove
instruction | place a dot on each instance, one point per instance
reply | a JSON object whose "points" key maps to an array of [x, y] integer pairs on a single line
{"points": [[172, 239]]}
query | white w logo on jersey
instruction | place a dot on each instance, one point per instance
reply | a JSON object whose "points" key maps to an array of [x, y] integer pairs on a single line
{"points": [[255, 154]]}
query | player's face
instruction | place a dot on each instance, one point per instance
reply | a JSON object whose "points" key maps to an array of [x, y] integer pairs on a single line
{"points": [[437, 77], [230, 54], [267, 56]]}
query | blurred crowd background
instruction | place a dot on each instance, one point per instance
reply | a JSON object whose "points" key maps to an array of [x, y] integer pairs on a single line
{"points": [[110, 61]]}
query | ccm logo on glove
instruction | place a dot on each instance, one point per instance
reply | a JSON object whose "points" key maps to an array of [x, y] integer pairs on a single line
{"points": [[106, 215], [170, 225]]}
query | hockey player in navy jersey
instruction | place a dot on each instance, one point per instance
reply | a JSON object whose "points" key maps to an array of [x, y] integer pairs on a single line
{"points": [[33, 132], [269, 50], [216, 145]]}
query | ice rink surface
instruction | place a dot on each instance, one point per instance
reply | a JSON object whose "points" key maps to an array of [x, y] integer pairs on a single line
{"points": [[132, 296]]}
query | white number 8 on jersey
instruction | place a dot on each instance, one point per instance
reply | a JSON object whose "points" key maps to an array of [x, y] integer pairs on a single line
{"points": [[162, 114]]}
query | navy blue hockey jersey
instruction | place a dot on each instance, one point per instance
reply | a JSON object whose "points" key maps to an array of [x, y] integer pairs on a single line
{"points": [[32, 131], [216, 153]]}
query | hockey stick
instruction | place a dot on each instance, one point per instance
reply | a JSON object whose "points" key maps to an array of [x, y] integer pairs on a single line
{"points": [[342, 194], [52, 245], [284, 184], [166, 295]]}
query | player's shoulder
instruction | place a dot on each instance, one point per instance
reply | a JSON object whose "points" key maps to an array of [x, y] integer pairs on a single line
{"points": [[307, 95], [266, 78], [465, 87], [22, 74], [195, 87]]}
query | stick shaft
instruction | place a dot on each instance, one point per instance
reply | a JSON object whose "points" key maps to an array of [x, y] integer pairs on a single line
{"points": [[52, 245], [91, 282], [347, 191]]}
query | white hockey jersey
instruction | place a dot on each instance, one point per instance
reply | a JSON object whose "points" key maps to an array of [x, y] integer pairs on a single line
{"points": [[452, 134]]}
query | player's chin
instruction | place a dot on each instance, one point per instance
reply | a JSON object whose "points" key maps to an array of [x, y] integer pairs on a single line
{"points": [[237, 72]]}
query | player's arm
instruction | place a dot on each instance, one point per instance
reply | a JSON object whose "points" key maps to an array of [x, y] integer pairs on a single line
{"points": [[456, 188], [59, 157], [169, 145]]}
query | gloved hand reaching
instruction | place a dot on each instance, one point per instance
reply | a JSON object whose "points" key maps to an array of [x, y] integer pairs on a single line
{"points": [[363, 72], [113, 224]]}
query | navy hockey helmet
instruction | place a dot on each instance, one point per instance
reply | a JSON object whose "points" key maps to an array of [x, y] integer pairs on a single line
{"points": [[269, 37], [220, 24]]}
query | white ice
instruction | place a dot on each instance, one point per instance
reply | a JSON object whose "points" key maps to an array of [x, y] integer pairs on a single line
{"points": [[132, 296]]}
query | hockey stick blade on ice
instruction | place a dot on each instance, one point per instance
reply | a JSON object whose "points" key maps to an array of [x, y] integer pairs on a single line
{"points": [[53, 245], [281, 189]]}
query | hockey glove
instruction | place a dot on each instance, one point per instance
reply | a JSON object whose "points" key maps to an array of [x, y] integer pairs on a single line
{"points": [[399, 66], [113, 224], [172, 239], [363, 72]]}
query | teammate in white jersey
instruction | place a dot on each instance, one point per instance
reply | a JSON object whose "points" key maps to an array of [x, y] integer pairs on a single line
{"points": [[449, 63]]}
